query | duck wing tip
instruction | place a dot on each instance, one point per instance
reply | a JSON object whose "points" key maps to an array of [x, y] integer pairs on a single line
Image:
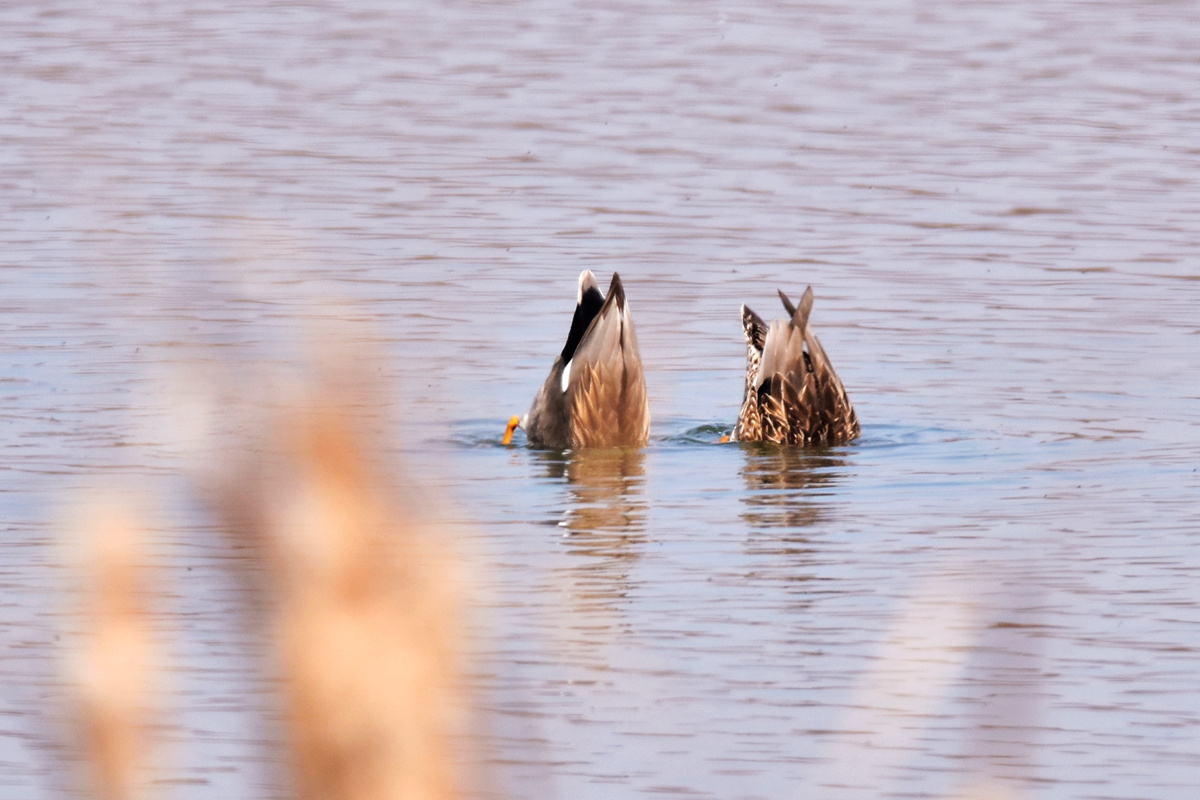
{"points": [[798, 314], [616, 291], [754, 327], [788, 305]]}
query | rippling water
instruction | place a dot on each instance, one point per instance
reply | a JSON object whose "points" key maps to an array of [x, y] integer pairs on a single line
{"points": [[997, 207]]}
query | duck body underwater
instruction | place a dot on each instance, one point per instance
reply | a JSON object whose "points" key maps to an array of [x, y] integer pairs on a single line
{"points": [[595, 394], [792, 394]]}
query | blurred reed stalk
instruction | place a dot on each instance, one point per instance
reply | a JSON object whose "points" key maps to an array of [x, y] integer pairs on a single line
{"points": [[114, 667], [364, 609]]}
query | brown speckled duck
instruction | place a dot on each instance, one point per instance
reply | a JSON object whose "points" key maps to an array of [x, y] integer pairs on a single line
{"points": [[595, 395], [792, 395]]}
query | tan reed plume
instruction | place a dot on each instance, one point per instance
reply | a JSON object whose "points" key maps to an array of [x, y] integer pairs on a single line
{"points": [[365, 613], [114, 667]]}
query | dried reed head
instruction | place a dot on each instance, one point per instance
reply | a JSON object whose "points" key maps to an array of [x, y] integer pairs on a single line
{"points": [[114, 667], [365, 610]]}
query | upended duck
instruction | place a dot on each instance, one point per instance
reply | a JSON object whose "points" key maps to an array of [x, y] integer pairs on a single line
{"points": [[595, 395], [792, 395]]}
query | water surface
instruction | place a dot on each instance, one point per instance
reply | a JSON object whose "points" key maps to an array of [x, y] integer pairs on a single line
{"points": [[996, 205]]}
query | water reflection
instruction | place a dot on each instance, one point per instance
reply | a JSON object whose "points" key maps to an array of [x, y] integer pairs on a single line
{"points": [[605, 519], [606, 493], [785, 485]]}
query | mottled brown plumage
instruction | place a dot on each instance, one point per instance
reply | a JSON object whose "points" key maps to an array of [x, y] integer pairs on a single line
{"points": [[792, 394], [595, 395]]}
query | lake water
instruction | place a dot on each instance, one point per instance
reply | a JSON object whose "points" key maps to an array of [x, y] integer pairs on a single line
{"points": [[992, 593]]}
